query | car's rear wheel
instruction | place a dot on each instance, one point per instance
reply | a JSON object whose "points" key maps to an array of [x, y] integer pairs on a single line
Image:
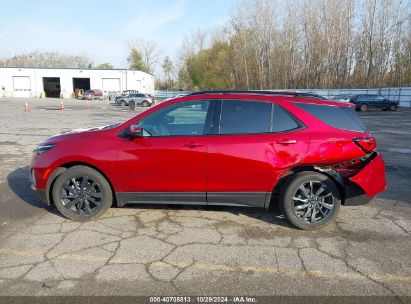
{"points": [[364, 108], [310, 200], [82, 194], [146, 103], [393, 108]]}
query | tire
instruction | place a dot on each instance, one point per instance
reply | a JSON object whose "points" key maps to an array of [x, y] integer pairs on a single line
{"points": [[88, 205], [295, 202], [123, 103], [393, 108], [364, 107], [146, 103]]}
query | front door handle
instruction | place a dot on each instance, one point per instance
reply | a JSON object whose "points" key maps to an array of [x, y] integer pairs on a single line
{"points": [[286, 141], [193, 145]]}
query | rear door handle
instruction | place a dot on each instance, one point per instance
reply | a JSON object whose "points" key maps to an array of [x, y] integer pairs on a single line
{"points": [[193, 145], [286, 141]]}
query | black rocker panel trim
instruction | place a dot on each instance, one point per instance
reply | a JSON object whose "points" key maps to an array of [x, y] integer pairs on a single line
{"points": [[245, 199], [184, 198]]}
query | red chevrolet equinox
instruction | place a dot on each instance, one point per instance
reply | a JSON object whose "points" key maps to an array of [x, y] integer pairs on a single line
{"points": [[235, 148]]}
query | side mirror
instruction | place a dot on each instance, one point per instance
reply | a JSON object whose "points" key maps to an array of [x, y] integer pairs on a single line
{"points": [[136, 131]]}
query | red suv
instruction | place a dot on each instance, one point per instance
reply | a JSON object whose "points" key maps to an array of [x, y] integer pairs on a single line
{"points": [[231, 148]]}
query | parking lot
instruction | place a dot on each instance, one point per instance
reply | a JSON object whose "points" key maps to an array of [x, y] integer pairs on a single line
{"points": [[182, 250]]}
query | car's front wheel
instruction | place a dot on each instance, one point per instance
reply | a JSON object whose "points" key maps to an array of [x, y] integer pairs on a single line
{"points": [[310, 200], [146, 103], [82, 194], [393, 108]]}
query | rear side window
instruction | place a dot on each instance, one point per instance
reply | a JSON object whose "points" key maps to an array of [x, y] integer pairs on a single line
{"points": [[282, 121], [245, 117], [343, 118]]}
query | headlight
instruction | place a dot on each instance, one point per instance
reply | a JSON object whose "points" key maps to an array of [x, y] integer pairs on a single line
{"points": [[41, 148]]}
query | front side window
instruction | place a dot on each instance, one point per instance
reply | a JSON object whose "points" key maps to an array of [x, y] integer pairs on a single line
{"points": [[245, 117], [186, 118]]}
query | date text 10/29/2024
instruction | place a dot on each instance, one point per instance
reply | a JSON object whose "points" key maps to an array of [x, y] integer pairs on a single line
{"points": [[203, 299]]}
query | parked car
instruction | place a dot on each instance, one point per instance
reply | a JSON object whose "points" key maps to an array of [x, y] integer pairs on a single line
{"points": [[342, 97], [125, 94], [140, 99], [92, 94], [364, 102], [251, 149]]}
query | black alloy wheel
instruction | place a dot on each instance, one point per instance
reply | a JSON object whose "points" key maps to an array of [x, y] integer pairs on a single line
{"points": [[309, 200], [81, 193]]}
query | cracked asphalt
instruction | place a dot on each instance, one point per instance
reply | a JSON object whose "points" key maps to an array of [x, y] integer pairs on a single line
{"points": [[181, 250]]}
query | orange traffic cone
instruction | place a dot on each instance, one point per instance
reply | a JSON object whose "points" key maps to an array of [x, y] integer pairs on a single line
{"points": [[61, 106], [26, 107]]}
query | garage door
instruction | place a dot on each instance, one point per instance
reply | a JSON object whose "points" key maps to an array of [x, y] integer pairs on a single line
{"points": [[111, 85], [21, 86]]}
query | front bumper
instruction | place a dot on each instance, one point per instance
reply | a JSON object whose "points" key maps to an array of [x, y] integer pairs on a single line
{"points": [[361, 188], [41, 193]]}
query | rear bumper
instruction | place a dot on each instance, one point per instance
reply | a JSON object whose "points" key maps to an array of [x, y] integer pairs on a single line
{"points": [[361, 188]]}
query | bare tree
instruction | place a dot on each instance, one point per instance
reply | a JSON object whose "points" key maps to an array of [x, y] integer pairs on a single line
{"points": [[308, 44], [47, 60], [149, 51]]}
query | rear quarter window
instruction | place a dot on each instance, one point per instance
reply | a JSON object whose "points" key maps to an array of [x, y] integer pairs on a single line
{"points": [[343, 118], [282, 121]]}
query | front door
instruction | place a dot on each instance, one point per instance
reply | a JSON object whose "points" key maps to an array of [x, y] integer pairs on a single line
{"points": [[168, 164]]}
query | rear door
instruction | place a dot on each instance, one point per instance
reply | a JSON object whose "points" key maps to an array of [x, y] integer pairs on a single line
{"points": [[139, 98], [381, 102], [252, 144]]}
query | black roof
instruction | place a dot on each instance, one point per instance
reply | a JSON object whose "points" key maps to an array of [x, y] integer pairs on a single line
{"points": [[278, 93]]}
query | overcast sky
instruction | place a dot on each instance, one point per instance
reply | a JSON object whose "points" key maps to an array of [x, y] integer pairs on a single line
{"points": [[101, 29]]}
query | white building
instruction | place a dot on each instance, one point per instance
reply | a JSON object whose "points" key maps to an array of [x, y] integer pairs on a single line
{"points": [[62, 82]]}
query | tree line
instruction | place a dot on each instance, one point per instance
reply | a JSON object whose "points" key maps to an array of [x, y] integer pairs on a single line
{"points": [[268, 44], [37, 59]]}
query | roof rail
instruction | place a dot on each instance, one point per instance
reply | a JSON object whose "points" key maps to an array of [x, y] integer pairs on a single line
{"points": [[264, 92]]}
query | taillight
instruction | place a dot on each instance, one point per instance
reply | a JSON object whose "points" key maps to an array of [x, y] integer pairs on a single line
{"points": [[368, 144]]}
